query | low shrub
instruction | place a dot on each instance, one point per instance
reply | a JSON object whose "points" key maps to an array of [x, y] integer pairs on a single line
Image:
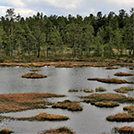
{"points": [[126, 130], [33, 75], [88, 90], [73, 90], [6, 131]]}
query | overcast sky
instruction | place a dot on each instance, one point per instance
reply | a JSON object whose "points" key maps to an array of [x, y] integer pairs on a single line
{"points": [[28, 8]]}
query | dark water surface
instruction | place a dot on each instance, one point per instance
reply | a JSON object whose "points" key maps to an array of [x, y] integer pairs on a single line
{"points": [[90, 121]]}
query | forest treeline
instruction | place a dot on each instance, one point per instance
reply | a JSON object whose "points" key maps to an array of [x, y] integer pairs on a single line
{"points": [[64, 38]]}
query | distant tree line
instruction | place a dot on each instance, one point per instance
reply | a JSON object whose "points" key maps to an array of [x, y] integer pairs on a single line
{"points": [[66, 37]]}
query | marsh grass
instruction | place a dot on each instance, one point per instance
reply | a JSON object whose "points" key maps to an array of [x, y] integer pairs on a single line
{"points": [[123, 74], [124, 89], [100, 89], [61, 130], [40, 117], [106, 104], [88, 90], [110, 80], [33, 75], [69, 105], [121, 117], [129, 108], [6, 131], [96, 97], [25, 101], [126, 130], [73, 90]]}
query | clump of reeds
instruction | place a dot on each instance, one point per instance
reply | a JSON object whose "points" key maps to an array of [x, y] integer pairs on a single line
{"points": [[33, 75], [121, 117], [88, 90], [123, 74], [41, 117], [126, 130], [110, 80], [106, 104], [61, 130], [124, 89], [6, 131], [73, 90], [69, 105], [100, 89]]}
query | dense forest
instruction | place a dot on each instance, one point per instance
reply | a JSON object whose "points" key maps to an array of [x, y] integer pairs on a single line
{"points": [[66, 38]]}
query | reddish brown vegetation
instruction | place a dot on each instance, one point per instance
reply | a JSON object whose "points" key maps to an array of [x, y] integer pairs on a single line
{"points": [[88, 90], [61, 130], [121, 117], [5, 131], [111, 80], [126, 130], [123, 74], [41, 117], [33, 75], [25, 101], [106, 104], [124, 89], [67, 104]]}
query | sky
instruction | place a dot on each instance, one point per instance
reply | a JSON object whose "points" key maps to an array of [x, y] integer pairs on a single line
{"points": [[84, 8]]}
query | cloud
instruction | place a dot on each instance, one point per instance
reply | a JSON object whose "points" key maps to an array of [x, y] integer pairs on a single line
{"points": [[122, 2]]}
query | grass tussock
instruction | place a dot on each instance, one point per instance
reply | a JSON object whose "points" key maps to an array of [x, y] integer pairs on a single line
{"points": [[88, 90], [129, 108], [106, 104], [41, 117], [126, 130], [33, 75], [6, 131], [121, 117], [100, 89], [25, 101], [124, 89], [61, 130], [111, 80], [73, 90], [123, 74], [96, 97], [69, 105]]}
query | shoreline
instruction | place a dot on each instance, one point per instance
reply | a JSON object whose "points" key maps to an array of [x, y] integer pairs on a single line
{"points": [[67, 64]]}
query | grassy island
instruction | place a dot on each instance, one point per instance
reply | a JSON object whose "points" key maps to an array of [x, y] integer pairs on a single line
{"points": [[33, 75]]}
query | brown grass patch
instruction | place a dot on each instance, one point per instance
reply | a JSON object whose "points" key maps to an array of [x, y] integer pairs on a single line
{"points": [[126, 130], [73, 90], [6, 131], [129, 108], [111, 80], [25, 101], [61, 130], [121, 117], [124, 89], [100, 89], [96, 97], [33, 75], [67, 104], [88, 90], [123, 74], [41, 117], [106, 104]]}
